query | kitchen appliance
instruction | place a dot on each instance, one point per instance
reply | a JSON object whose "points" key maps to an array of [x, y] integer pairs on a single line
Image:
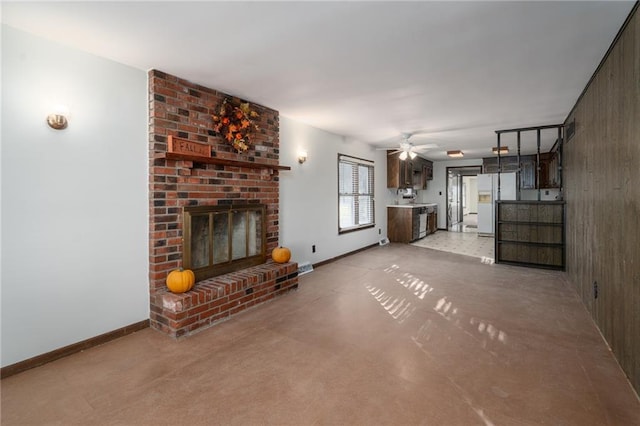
{"points": [[422, 212], [408, 195], [487, 196]]}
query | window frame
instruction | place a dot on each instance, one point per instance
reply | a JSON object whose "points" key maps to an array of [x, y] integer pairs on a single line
{"points": [[344, 158]]}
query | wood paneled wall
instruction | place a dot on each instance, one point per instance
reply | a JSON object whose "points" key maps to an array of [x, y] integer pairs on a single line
{"points": [[602, 192]]}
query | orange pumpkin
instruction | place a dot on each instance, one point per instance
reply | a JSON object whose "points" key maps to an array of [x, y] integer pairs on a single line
{"points": [[180, 280], [193, 277], [281, 255]]}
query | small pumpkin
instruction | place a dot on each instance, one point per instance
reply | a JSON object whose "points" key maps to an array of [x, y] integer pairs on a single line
{"points": [[281, 255], [180, 280]]}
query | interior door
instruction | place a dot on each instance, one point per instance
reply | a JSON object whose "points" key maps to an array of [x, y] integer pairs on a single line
{"points": [[455, 195], [453, 198]]}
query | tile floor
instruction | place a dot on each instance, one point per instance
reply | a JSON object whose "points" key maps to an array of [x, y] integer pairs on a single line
{"points": [[466, 243], [394, 335]]}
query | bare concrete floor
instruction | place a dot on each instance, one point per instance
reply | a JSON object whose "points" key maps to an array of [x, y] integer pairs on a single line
{"points": [[396, 335]]}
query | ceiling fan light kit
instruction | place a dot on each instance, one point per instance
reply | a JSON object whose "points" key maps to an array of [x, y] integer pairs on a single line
{"points": [[407, 149]]}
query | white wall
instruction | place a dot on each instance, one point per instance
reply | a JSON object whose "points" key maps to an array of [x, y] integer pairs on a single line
{"points": [[74, 202], [436, 188], [309, 198]]}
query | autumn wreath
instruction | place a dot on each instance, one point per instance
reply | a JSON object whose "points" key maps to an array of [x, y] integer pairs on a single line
{"points": [[233, 122]]}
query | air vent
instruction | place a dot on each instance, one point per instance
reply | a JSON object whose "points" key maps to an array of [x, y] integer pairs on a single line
{"points": [[571, 129]]}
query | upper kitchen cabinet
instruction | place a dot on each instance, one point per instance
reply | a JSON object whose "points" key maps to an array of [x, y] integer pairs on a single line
{"points": [[549, 173], [422, 172], [529, 175], [427, 170], [490, 164], [527, 172], [408, 173], [399, 172]]}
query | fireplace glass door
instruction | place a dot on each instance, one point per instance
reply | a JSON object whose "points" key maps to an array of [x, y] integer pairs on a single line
{"points": [[219, 240]]}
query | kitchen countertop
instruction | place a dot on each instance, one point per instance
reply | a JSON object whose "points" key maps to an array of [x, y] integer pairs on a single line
{"points": [[411, 206]]}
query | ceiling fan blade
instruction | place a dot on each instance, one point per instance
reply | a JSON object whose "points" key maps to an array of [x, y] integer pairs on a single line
{"points": [[392, 149], [406, 146], [426, 146]]}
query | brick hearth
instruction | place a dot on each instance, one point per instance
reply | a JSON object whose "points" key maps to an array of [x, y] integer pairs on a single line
{"points": [[183, 110], [216, 299]]}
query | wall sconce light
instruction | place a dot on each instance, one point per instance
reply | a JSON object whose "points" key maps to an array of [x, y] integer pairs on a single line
{"points": [[455, 154], [503, 150], [58, 118], [302, 156]]}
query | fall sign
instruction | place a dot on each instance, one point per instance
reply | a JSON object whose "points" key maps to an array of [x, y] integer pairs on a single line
{"points": [[183, 146]]}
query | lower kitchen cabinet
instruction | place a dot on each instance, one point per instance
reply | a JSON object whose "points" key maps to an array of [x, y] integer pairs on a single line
{"points": [[432, 221], [410, 223], [402, 224]]}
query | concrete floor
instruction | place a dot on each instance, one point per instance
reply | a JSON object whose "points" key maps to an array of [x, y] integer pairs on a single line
{"points": [[397, 335]]}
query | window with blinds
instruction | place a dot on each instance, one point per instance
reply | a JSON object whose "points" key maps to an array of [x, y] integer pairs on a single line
{"points": [[355, 194]]}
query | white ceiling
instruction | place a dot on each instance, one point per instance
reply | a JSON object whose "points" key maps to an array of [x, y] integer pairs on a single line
{"points": [[452, 71]]}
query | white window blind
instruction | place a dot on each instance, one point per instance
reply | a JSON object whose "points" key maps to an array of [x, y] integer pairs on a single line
{"points": [[355, 193]]}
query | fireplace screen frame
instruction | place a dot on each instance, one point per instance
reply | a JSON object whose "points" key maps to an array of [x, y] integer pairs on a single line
{"points": [[230, 264]]}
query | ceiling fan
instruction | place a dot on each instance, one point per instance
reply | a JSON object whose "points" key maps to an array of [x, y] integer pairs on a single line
{"points": [[407, 149]]}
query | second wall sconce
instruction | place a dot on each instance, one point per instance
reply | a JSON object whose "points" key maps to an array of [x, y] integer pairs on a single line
{"points": [[58, 119], [302, 156]]}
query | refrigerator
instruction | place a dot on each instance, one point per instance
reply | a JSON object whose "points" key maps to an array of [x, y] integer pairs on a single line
{"points": [[488, 194]]}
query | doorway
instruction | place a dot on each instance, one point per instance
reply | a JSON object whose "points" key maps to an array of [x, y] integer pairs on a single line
{"points": [[462, 198]]}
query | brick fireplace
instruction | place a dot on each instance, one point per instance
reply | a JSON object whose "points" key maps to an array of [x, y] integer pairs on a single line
{"points": [[183, 110]]}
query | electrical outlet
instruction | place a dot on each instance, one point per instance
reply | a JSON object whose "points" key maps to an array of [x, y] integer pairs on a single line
{"points": [[595, 289], [379, 231], [313, 248]]}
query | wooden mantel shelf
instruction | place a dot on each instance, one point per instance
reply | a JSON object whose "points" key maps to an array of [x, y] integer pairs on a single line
{"points": [[222, 161], [186, 150]]}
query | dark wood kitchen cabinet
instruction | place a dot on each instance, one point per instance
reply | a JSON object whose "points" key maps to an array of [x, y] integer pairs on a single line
{"points": [[408, 173], [428, 169], [528, 172], [549, 173], [508, 164], [432, 221], [529, 176], [402, 224], [422, 172], [399, 172]]}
